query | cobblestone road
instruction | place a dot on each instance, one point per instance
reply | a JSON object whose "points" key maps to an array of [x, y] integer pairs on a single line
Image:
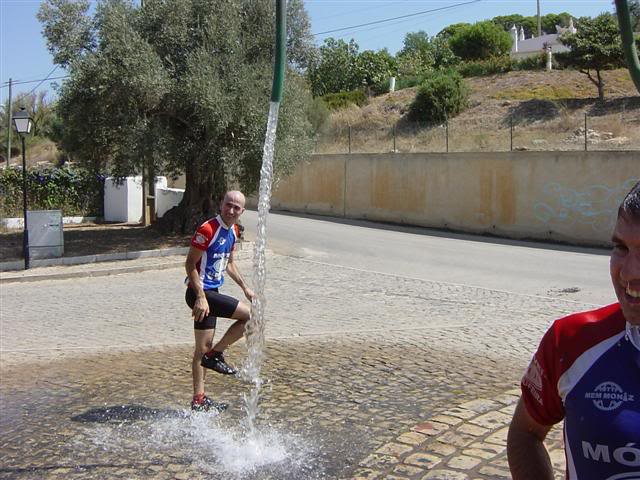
{"points": [[368, 376]]}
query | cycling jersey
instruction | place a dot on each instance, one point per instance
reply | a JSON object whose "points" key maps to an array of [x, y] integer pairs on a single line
{"points": [[587, 372], [217, 241]]}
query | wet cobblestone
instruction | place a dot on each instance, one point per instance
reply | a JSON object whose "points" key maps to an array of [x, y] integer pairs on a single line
{"points": [[368, 376]]}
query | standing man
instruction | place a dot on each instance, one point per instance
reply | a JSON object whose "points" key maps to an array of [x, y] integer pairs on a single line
{"points": [[587, 372], [210, 255]]}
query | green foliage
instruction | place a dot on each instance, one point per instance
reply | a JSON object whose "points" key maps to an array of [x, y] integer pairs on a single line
{"points": [[179, 86], [535, 62], [443, 56], [443, 95], [421, 55], [300, 43], [336, 101], [504, 64], [490, 66], [374, 67], [68, 29], [340, 67], [548, 22], [334, 68], [75, 191], [506, 22], [596, 46], [634, 13], [416, 56], [453, 29], [480, 41], [43, 114], [319, 115]]}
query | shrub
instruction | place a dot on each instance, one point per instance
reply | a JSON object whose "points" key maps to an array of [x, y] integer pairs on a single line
{"points": [[535, 62], [443, 95], [336, 101], [490, 66], [72, 190], [318, 115], [480, 41]]}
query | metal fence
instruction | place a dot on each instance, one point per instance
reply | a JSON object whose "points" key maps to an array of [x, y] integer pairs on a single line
{"points": [[498, 134]]}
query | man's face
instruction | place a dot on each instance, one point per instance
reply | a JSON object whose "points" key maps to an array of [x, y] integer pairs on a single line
{"points": [[625, 266], [232, 207]]}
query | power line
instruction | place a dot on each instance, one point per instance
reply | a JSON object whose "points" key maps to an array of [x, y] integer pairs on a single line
{"points": [[396, 18], [6, 84], [50, 73]]}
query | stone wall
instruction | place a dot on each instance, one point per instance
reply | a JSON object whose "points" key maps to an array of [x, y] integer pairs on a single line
{"points": [[562, 196]]}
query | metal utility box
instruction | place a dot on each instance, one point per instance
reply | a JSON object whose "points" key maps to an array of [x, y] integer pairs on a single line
{"points": [[45, 233]]}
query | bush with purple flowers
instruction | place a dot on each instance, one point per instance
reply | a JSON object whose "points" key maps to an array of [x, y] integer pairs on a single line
{"points": [[75, 191]]}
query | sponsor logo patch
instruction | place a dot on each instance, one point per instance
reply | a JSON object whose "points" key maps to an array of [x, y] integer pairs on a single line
{"points": [[608, 396], [533, 379], [200, 239]]}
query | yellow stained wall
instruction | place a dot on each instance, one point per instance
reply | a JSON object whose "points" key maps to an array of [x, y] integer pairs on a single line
{"points": [[564, 196]]}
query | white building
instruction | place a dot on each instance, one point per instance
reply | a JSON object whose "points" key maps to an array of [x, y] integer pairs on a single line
{"points": [[529, 47]]}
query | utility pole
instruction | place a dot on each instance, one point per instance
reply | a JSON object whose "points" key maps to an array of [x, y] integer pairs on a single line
{"points": [[539, 21], [9, 127]]}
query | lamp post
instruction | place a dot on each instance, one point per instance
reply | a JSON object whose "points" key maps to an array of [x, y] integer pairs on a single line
{"points": [[23, 124]]}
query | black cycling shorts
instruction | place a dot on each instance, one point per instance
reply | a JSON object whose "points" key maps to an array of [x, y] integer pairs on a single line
{"points": [[219, 306]]}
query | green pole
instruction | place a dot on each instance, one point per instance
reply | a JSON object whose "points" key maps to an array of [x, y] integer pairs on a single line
{"points": [[281, 51], [628, 42]]}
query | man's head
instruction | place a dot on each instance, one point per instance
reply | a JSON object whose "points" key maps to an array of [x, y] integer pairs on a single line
{"points": [[625, 257], [232, 207]]}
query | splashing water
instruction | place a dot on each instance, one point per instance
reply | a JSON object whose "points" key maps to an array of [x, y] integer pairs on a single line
{"points": [[254, 330], [204, 444]]}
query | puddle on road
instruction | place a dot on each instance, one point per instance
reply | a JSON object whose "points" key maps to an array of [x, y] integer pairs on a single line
{"points": [[124, 415]]}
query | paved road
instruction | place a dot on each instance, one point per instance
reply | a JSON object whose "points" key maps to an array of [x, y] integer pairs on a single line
{"points": [[370, 374], [579, 274], [354, 366]]}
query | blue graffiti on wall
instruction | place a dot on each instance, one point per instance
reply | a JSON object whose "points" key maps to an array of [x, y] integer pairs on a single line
{"points": [[596, 206]]}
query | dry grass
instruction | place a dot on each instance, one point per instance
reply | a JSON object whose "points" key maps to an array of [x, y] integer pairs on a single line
{"points": [[547, 110]]}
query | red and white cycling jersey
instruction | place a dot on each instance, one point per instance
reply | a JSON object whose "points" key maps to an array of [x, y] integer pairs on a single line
{"points": [[217, 241], [587, 372]]}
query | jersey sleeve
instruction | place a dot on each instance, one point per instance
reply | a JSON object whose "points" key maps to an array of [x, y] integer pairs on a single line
{"points": [[202, 237], [236, 236], [540, 382]]}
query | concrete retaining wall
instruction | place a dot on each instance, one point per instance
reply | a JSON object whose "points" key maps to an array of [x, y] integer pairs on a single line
{"points": [[561, 196]]}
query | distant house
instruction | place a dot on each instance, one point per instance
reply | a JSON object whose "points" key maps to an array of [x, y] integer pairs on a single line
{"points": [[529, 47]]}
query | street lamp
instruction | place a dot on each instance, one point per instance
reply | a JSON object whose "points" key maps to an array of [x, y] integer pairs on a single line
{"points": [[23, 124]]}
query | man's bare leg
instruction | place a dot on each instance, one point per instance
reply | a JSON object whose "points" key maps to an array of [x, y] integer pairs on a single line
{"points": [[235, 331], [204, 340]]}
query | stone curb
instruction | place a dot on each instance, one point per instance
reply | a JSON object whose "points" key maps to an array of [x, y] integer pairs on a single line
{"points": [[101, 257], [245, 250], [466, 441]]}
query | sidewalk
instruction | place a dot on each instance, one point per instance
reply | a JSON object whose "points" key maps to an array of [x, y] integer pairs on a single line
{"points": [[105, 264]]}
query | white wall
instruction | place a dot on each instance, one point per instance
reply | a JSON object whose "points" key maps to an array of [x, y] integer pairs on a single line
{"points": [[123, 202]]}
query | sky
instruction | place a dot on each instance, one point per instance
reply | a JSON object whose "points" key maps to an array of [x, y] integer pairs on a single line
{"points": [[24, 56]]}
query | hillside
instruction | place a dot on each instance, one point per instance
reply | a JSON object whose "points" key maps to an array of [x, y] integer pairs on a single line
{"points": [[547, 110]]}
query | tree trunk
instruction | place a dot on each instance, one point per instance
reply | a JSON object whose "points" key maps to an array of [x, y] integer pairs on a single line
{"points": [[199, 203], [600, 85]]}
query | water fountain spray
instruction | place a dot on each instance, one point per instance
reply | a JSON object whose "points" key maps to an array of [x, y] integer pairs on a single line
{"points": [[254, 330]]}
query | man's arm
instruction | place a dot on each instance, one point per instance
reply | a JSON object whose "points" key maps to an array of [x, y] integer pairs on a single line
{"points": [[234, 273], [201, 306], [528, 457]]}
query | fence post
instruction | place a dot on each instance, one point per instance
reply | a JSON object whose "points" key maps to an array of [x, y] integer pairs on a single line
{"points": [[394, 138], [585, 132], [344, 190], [349, 139], [511, 132], [446, 134]]}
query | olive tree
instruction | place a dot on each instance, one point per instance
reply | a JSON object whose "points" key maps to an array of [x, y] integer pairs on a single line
{"points": [[177, 86]]}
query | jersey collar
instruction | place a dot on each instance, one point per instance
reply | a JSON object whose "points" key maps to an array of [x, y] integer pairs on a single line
{"points": [[633, 334], [221, 222]]}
